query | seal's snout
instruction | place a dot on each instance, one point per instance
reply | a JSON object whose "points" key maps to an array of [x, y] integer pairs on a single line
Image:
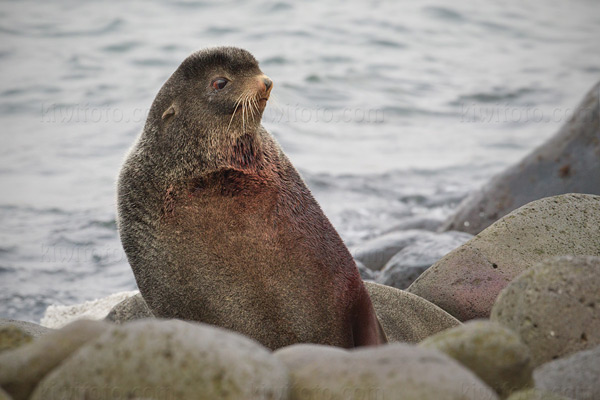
{"points": [[266, 84]]}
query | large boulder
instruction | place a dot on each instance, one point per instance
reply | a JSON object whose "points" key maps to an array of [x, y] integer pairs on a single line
{"points": [[21, 369], [171, 359], [495, 353], [576, 376], [393, 371], [130, 309], [406, 317], [12, 336], [28, 328], [554, 307], [568, 163], [467, 281], [410, 262]]}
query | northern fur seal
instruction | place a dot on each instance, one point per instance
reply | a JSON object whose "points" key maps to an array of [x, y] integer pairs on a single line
{"points": [[219, 227]]}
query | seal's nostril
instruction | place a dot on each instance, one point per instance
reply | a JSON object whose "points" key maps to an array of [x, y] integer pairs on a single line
{"points": [[268, 83]]}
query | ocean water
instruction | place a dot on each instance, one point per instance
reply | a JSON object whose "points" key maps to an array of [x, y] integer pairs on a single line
{"points": [[390, 110]]}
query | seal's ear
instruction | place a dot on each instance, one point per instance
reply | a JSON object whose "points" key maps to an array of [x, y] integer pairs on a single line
{"points": [[171, 111]]}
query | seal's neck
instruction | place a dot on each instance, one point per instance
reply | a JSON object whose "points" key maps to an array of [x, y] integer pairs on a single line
{"points": [[240, 151], [245, 152]]}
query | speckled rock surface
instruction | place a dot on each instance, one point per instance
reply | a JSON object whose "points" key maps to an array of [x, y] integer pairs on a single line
{"points": [[393, 371], [467, 281], [406, 317], [375, 253], [130, 309], [34, 330], [167, 359], [11, 337], [554, 307], [22, 368], [495, 353], [567, 163], [576, 376], [535, 394], [410, 262]]}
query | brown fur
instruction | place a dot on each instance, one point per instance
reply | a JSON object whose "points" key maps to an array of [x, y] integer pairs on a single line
{"points": [[219, 227]]}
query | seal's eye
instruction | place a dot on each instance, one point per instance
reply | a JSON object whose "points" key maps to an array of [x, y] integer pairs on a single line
{"points": [[219, 83]]}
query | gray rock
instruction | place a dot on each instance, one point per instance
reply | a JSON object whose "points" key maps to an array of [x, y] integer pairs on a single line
{"points": [[467, 281], [495, 353], [12, 337], [575, 376], [554, 307], [535, 394], [375, 253], [130, 309], [567, 163], [393, 371], [168, 359], [406, 317], [420, 222], [34, 330], [21, 369], [410, 262], [365, 273]]}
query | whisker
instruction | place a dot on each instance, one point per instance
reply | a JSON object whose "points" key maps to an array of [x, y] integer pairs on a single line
{"points": [[244, 111], [237, 105], [276, 105], [253, 108], [256, 106]]}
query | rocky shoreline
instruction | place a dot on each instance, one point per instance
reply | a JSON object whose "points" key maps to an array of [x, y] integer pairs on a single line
{"points": [[510, 313]]}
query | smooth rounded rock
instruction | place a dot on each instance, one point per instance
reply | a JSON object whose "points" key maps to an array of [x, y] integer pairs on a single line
{"points": [[410, 262], [554, 306], [576, 376], [393, 371], [29, 328], [21, 369], [493, 352], [375, 253], [168, 359], [567, 163], [467, 281], [130, 309], [406, 317], [535, 394], [12, 337]]}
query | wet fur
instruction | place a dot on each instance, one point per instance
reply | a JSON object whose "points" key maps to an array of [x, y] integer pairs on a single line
{"points": [[219, 227]]}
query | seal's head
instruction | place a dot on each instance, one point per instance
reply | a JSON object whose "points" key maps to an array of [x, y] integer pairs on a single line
{"points": [[214, 89]]}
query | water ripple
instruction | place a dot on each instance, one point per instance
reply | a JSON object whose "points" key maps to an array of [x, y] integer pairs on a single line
{"points": [[53, 31]]}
